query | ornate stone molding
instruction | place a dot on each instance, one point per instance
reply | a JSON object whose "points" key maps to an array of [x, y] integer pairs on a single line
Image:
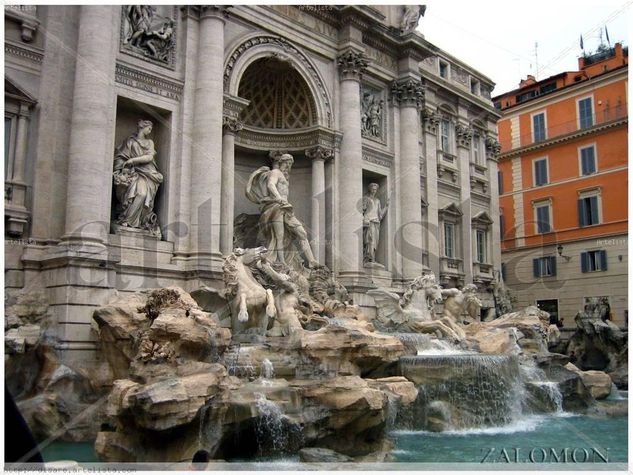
{"points": [[28, 22], [320, 153], [148, 82], [153, 41], [431, 120], [464, 135], [408, 92], [231, 125], [383, 162], [352, 64], [442, 169], [289, 48], [24, 53], [234, 105], [210, 11], [296, 140]]}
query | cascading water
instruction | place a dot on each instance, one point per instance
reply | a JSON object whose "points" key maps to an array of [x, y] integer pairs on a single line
{"points": [[538, 394], [267, 370], [427, 344], [465, 390], [271, 434]]}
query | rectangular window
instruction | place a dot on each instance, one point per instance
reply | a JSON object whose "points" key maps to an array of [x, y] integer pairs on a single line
{"points": [[588, 213], [444, 139], [449, 239], [500, 181], [540, 172], [481, 246], [474, 86], [443, 70], [543, 224], [588, 160], [502, 225], [593, 261], [544, 266], [538, 127], [476, 149], [585, 113]]}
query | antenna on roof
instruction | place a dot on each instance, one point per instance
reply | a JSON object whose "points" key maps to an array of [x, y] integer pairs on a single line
{"points": [[536, 60]]}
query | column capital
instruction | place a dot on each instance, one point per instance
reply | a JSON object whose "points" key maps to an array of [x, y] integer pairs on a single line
{"points": [[408, 92], [320, 153], [431, 120], [464, 134], [493, 147], [231, 125], [200, 12], [352, 63]]}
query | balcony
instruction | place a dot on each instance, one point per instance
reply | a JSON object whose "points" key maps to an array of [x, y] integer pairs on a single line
{"points": [[557, 131], [482, 272]]}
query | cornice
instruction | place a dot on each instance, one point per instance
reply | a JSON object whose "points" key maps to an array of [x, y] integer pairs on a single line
{"points": [[564, 138], [145, 81], [29, 53]]}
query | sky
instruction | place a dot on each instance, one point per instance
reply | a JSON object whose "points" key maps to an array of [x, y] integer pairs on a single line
{"points": [[498, 38]]}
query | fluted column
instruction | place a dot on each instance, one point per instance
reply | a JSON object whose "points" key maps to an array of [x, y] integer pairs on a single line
{"points": [[90, 154], [318, 155], [206, 167], [464, 136], [431, 124], [231, 127], [350, 169], [409, 95]]}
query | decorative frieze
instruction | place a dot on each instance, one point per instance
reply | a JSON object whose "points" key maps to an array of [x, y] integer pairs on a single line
{"points": [[383, 162], [148, 82], [149, 35], [23, 53], [408, 92], [352, 64], [459, 75], [233, 106], [285, 140]]}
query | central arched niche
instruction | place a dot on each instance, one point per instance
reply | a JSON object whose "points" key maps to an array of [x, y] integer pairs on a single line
{"points": [[279, 96]]}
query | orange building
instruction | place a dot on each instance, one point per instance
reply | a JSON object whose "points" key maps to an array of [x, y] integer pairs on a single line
{"points": [[563, 187]]}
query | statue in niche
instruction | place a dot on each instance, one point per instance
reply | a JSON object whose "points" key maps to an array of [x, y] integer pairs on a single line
{"points": [[371, 115], [411, 17], [279, 228], [149, 33], [373, 214], [136, 180]]}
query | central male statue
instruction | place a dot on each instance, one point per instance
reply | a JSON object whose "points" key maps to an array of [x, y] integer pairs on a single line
{"points": [[279, 228]]}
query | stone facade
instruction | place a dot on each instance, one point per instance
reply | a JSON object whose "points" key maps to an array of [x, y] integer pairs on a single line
{"points": [[224, 87]]}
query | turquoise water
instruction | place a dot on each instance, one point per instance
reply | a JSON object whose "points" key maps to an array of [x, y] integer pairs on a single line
{"points": [[532, 440], [531, 436]]}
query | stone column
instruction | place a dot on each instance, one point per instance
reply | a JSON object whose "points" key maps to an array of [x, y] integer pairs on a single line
{"points": [[350, 170], [90, 156], [231, 127], [409, 95], [464, 135], [206, 166], [431, 124], [492, 152], [318, 155], [15, 209]]}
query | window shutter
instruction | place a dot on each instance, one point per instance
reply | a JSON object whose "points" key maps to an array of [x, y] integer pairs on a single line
{"points": [[603, 260], [584, 261], [539, 173], [500, 181], [536, 267], [593, 209], [502, 225], [581, 213], [552, 263]]}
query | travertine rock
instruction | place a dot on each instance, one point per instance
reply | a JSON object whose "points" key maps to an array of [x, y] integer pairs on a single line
{"points": [[597, 382], [321, 455]]}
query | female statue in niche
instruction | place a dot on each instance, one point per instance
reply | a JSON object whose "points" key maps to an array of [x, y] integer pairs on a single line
{"points": [[136, 180], [373, 214]]}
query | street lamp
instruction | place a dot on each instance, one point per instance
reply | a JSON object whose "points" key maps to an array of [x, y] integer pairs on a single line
{"points": [[559, 248]]}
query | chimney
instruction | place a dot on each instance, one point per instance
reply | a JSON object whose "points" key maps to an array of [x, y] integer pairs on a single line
{"points": [[528, 81]]}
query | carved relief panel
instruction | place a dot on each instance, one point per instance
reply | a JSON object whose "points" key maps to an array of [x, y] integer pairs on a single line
{"points": [[372, 114], [149, 32]]}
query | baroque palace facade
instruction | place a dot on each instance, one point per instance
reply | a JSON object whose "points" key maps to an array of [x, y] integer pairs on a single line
{"points": [[354, 93]]}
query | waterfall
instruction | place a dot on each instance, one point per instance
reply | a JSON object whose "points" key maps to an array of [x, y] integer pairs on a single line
{"points": [[267, 369], [271, 434], [425, 344], [463, 390], [539, 395]]}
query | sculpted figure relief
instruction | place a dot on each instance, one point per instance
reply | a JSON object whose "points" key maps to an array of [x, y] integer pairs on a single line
{"points": [[136, 180], [373, 213], [459, 301], [279, 228], [371, 115], [149, 32], [411, 17]]}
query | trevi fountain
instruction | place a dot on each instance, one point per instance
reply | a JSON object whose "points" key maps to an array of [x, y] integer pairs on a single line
{"points": [[280, 369]]}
